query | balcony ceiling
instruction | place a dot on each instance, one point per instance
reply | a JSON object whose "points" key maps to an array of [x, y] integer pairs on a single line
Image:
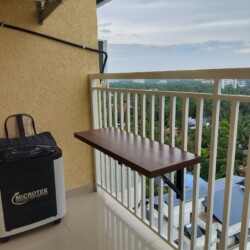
{"points": [[46, 7], [99, 3]]}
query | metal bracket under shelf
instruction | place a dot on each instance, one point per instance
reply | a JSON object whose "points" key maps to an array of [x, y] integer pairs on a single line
{"points": [[179, 187]]}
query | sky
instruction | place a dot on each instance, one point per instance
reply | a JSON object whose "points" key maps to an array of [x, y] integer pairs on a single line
{"points": [[156, 35]]}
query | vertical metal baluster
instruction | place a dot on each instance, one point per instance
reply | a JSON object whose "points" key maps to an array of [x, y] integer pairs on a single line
{"points": [[212, 163], [184, 136], [172, 144], [151, 203], [111, 174], [198, 136], [151, 182], [135, 110], [143, 133], [117, 183], [105, 119], [128, 169], [229, 173], [122, 127], [128, 112], [152, 118], [135, 193], [135, 113], [246, 206], [95, 122], [129, 188], [102, 167], [143, 195], [110, 120], [110, 124], [162, 118], [115, 110], [122, 184], [105, 123], [100, 109], [95, 106], [143, 115], [160, 181], [121, 111]]}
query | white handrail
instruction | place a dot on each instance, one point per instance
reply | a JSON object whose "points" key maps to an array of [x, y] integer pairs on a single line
{"points": [[234, 73]]}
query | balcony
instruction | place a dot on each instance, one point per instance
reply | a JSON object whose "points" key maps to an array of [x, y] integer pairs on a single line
{"points": [[49, 80], [207, 218], [130, 211]]}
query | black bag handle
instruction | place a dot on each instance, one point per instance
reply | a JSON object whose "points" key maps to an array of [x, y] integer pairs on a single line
{"points": [[20, 125]]}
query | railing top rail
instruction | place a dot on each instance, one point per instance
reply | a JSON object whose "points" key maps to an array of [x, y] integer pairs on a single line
{"points": [[233, 73], [209, 96]]}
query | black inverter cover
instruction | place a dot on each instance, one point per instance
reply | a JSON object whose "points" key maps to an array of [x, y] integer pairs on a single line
{"points": [[28, 190], [27, 179]]}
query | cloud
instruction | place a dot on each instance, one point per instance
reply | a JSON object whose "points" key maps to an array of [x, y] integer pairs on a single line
{"points": [[105, 24], [105, 31], [166, 22], [243, 51], [219, 46], [140, 57], [148, 35]]}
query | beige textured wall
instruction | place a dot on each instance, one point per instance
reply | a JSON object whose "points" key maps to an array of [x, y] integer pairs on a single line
{"points": [[49, 80]]}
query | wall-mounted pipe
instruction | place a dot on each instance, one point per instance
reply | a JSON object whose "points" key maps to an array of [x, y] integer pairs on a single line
{"points": [[4, 25]]}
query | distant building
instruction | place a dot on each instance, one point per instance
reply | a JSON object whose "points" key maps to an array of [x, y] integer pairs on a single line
{"points": [[138, 81], [235, 215], [227, 82], [207, 81], [200, 237], [192, 122], [242, 83], [233, 82], [236, 208], [162, 81]]}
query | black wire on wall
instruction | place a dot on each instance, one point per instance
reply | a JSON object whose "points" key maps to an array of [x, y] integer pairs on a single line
{"points": [[4, 25]]}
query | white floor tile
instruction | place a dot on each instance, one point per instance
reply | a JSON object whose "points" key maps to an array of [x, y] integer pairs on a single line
{"points": [[93, 222]]}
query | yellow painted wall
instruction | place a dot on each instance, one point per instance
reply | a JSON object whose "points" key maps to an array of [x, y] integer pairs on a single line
{"points": [[49, 80]]}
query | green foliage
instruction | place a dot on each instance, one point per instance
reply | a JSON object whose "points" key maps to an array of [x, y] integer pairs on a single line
{"points": [[224, 122]]}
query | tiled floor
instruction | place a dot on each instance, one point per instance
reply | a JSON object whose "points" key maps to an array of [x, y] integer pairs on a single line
{"points": [[93, 222]]}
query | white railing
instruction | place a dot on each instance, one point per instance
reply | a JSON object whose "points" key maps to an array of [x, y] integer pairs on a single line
{"points": [[126, 109]]}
